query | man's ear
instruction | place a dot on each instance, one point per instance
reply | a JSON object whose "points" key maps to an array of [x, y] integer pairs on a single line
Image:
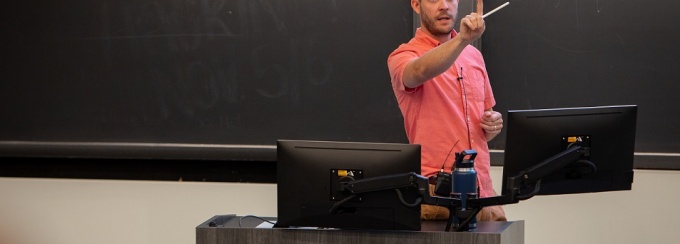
{"points": [[415, 4]]}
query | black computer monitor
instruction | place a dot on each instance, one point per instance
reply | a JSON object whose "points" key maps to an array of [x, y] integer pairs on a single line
{"points": [[309, 175], [607, 133]]}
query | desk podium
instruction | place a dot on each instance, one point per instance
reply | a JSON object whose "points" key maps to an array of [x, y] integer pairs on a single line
{"points": [[223, 229]]}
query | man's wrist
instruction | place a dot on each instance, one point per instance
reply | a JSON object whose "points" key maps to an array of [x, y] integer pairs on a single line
{"points": [[463, 41]]}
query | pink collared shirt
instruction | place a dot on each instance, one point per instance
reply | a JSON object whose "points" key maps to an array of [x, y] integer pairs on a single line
{"points": [[436, 113]]}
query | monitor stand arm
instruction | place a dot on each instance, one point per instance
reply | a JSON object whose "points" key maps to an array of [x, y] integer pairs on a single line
{"points": [[407, 180], [397, 181], [545, 168]]}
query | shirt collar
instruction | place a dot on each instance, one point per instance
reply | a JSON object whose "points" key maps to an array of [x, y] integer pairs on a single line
{"points": [[423, 37]]}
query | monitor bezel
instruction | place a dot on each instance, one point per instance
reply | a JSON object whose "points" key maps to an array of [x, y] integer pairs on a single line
{"points": [[304, 183], [536, 134]]}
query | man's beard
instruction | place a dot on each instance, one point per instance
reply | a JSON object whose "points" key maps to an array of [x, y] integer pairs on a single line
{"points": [[429, 24]]}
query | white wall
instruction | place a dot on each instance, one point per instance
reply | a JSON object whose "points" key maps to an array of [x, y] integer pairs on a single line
{"points": [[67, 211], [55, 211], [649, 213]]}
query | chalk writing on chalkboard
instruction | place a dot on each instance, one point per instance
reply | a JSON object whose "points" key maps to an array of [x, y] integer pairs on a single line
{"points": [[202, 71]]}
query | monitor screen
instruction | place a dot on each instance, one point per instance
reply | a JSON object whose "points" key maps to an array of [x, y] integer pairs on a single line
{"points": [[608, 133], [309, 173]]}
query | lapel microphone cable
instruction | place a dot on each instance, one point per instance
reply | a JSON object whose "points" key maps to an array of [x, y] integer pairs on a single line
{"points": [[465, 105]]}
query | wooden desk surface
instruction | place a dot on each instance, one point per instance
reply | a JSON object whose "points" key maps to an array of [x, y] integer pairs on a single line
{"points": [[225, 229]]}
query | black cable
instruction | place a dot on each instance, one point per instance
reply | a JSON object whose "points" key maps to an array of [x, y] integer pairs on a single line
{"points": [[401, 198], [447, 156], [587, 163], [465, 105], [341, 202], [537, 187], [253, 216]]}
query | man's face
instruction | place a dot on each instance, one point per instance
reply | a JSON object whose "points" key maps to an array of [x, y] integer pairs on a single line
{"points": [[438, 16]]}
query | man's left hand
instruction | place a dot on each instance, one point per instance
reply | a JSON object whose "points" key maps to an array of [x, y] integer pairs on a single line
{"points": [[492, 122]]}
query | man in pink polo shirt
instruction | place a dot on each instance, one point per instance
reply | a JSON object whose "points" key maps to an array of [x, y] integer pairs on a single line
{"points": [[444, 94]]}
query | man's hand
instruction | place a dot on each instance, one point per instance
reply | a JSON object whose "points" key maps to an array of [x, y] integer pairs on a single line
{"points": [[492, 123], [472, 25]]}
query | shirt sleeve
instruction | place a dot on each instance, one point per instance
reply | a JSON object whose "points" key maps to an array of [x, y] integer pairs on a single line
{"points": [[396, 63]]}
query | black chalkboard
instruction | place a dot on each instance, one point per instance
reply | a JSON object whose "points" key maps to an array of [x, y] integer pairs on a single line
{"points": [[200, 71], [555, 53]]}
